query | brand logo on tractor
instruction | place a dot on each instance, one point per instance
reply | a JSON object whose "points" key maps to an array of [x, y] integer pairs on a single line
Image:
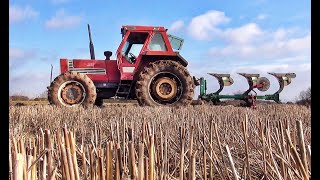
{"points": [[90, 64]]}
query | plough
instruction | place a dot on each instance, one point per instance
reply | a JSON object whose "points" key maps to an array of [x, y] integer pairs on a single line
{"points": [[250, 95]]}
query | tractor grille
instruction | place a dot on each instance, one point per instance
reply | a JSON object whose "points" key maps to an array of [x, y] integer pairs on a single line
{"points": [[70, 63], [89, 70]]}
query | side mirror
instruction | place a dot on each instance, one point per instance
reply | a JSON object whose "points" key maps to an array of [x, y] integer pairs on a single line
{"points": [[108, 54]]}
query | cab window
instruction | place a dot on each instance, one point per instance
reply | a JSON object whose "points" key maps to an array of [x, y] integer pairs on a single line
{"points": [[157, 43], [134, 45]]}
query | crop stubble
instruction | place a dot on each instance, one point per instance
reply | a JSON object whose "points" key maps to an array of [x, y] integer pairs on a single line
{"points": [[207, 142]]}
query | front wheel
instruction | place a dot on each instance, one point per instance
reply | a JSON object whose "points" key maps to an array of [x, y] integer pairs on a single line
{"points": [[165, 82], [72, 89]]}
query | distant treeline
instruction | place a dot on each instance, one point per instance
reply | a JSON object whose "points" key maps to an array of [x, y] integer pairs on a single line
{"points": [[305, 97], [25, 98]]}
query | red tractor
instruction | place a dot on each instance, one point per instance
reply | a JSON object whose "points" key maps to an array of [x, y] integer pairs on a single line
{"points": [[147, 68]]}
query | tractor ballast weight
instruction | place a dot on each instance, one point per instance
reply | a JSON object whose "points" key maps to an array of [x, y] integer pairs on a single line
{"points": [[254, 82]]}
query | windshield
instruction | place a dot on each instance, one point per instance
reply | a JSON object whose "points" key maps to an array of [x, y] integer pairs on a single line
{"points": [[176, 42]]}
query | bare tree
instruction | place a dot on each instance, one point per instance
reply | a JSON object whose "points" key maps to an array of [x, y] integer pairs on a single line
{"points": [[305, 97], [42, 96]]}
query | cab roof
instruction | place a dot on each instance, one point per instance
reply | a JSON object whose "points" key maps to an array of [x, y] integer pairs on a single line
{"points": [[143, 28]]}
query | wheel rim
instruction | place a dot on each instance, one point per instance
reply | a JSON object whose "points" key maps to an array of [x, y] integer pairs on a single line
{"points": [[71, 93], [165, 88]]}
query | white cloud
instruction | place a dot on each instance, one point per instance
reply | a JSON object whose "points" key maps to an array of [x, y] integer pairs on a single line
{"points": [[250, 49], [275, 47], [60, 1], [204, 26], [283, 33], [280, 34], [16, 54], [243, 34], [297, 44], [18, 57], [176, 26], [63, 20], [18, 13], [22, 83], [262, 16]]}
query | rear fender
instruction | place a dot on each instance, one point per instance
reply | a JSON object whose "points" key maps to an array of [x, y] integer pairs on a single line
{"points": [[177, 57], [147, 59]]}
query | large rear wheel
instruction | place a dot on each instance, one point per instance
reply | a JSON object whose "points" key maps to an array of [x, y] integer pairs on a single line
{"points": [[72, 89], [165, 82]]}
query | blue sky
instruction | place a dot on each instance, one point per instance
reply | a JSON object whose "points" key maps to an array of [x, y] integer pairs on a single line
{"points": [[252, 36]]}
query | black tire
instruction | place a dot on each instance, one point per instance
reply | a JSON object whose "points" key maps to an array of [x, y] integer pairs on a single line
{"points": [[99, 102], [162, 69], [81, 92]]}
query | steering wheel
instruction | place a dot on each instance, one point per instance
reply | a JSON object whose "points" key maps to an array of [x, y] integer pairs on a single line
{"points": [[132, 57]]}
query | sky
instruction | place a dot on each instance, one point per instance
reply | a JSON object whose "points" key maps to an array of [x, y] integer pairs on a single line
{"points": [[243, 36]]}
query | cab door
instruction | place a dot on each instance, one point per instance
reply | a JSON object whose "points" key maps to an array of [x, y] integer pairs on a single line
{"points": [[130, 53]]}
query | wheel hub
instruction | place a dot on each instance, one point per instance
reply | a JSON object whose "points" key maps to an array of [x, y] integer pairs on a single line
{"points": [[165, 88], [72, 93]]}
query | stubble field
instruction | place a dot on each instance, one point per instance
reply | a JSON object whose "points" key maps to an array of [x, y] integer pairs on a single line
{"points": [[194, 142]]}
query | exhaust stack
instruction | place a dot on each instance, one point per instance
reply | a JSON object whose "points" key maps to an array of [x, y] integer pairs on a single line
{"points": [[92, 55]]}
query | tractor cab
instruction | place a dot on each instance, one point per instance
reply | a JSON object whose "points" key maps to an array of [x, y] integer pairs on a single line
{"points": [[144, 44]]}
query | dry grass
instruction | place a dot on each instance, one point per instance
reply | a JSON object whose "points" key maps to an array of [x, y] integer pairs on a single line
{"points": [[204, 141], [107, 102]]}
